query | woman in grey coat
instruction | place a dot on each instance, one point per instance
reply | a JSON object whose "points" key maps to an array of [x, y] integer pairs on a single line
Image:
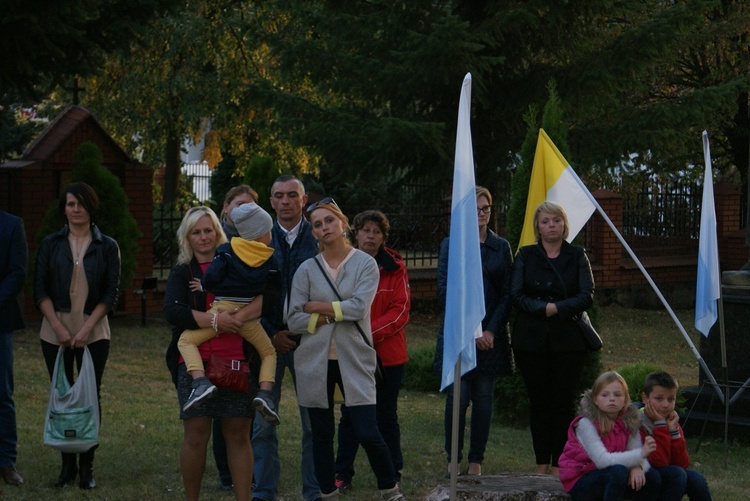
{"points": [[336, 346]]}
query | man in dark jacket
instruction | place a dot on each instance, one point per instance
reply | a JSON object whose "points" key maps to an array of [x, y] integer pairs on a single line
{"points": [[13, 260], [293, 244]]}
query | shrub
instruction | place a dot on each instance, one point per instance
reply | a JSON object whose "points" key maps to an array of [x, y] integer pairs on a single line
{"points": [[418, 374], [635, 374], [512, 402]]}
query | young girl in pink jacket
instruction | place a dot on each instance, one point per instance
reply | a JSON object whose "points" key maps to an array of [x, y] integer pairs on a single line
{"points": [[604, 457]]}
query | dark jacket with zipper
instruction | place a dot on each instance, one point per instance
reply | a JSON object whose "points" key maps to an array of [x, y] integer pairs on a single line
{"points": [[535, 283], [289, 258], [54, 271], [497, 262]]}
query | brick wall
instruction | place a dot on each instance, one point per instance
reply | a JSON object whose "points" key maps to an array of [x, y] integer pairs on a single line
{"points": [[671, 265]]}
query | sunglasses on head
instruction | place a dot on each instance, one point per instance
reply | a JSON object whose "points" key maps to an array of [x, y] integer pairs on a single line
{"points": [[322, 201]]}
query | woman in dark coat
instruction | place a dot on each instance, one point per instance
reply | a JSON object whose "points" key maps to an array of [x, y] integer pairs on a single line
{"points": [[552, 284], [76, 283], [494, 356]]}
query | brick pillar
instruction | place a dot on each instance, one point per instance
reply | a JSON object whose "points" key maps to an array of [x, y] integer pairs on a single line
{"points": [[733, 253], [727, 202], [606, 249]]}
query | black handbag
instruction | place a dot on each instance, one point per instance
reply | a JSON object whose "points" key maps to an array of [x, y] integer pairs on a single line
{"points": [[590, 336], [379, 370]]}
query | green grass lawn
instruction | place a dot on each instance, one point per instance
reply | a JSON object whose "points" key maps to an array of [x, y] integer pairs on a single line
{"points": [[141, 432]]}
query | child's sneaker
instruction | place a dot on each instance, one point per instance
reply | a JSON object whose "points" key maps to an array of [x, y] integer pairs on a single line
{"points": [[263, 403], [202, 389], [343, 486]]}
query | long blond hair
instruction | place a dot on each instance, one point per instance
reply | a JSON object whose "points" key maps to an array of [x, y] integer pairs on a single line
{"points": [[606, 423], [189, 220]]}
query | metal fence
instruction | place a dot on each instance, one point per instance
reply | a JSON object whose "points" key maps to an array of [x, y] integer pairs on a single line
{"points": [[197, 177], [653, 213], [663, 214]]}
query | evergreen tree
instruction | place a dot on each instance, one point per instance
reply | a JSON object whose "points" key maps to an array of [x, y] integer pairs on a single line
{"points": [[519, 190], [553, 125], [114, 218]]}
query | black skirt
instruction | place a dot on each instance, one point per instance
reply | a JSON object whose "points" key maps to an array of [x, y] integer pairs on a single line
{"points": [[223, 403]]}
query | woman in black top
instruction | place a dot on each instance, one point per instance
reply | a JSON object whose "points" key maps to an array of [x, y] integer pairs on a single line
{"points": [[552, 284]]}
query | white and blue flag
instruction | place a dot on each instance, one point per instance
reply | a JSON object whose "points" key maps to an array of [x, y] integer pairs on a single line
{"points": [[464, 307], [708, 288]]}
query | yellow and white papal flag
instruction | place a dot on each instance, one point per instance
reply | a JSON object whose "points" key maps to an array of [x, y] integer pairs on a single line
{"points": [[553, 179]]}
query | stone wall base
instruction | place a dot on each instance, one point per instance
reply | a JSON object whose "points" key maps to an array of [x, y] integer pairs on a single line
{"points": [[506, 487]]}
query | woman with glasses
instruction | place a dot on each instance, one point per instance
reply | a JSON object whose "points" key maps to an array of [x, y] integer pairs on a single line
{"points": [[494, 357], [332, 294]]}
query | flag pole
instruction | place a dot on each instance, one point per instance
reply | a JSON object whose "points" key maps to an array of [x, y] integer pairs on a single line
{"points": [[652, 284], [725, 374], [454, 428]]}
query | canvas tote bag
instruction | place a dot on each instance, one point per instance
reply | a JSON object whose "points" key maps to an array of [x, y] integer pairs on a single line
{"points": [[72, 420]]}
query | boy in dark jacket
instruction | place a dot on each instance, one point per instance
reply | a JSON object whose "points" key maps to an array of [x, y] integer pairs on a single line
{"points": [[670, 459], [238, 273]]}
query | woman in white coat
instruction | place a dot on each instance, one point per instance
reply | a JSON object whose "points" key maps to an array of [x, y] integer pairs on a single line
{"points": [[336, 346]]}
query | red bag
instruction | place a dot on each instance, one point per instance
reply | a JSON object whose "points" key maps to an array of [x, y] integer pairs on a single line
{"points": [[228, 374]]}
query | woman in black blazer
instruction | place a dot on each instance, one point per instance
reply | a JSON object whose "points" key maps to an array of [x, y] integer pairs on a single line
{"points": [[551, 284], [494, 356]]}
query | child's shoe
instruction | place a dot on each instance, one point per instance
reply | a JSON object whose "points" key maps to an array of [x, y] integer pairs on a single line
{"points": [[263, 403], [202, 389]]}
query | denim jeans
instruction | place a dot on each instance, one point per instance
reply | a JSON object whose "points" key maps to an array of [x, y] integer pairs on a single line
{"points": [[677, 482], [611, 484], [8, 436], [267, 471], [364, 422], [476, 389], [387, 416]]}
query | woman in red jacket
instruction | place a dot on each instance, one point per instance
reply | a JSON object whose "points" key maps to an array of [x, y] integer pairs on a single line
{"points": [[388, 317]]}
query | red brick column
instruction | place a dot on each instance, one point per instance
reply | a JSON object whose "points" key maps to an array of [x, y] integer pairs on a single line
{"points": [[606, 249]]}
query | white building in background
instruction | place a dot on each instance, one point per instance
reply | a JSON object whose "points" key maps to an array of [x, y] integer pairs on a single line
{"points": [[195, 169]]}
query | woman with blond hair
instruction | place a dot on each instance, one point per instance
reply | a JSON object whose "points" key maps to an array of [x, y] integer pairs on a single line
{"points": [[332, 294], [198, 236], [552, 284]]}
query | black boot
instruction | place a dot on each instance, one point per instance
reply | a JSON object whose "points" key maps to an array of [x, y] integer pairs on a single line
{"points": [[86, 466], [69, 470]]}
